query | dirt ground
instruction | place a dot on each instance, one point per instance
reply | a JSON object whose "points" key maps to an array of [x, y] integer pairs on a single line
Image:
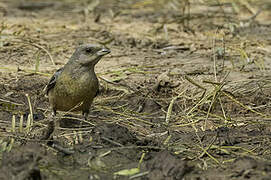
{"points": [[185, 91]]}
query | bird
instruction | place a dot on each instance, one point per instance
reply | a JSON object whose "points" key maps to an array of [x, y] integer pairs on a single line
{"points": [[74, 86]]}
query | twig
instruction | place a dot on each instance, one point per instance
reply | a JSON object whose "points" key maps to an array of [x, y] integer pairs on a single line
{"points": [[214, 55], [112, 142], [206, 152], [194, 83], [7, 101], [169, 111], [242, 105], [45, 50], [66, 151], [13, 123], [30, 109], [139, 175], [215, 95]]}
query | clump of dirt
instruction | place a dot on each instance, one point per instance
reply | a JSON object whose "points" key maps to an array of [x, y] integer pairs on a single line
{"points": [[22, 163], [169, 168]]}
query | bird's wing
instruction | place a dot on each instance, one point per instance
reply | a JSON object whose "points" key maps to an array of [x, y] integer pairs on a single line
{"points": [[53, 80]]}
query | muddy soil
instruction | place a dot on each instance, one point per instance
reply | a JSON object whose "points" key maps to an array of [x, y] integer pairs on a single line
{"points": [[184, 94]]}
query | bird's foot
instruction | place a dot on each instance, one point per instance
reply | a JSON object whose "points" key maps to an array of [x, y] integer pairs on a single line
{"points": [[85, 114]]}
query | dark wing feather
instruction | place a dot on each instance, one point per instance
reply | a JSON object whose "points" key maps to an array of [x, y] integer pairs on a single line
{"points": [[53, 80]]}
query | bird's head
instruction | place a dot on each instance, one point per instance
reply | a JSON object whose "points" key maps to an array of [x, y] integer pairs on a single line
{"points": [[88, 54]]}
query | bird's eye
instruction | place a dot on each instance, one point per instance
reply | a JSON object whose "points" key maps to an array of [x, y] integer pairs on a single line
{"points": [[88, 50]]}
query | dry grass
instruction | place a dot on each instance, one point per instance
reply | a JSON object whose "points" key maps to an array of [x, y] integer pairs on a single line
{"points": [[198, 104]]}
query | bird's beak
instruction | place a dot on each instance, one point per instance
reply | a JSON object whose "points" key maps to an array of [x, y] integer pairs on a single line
{"points": [[103, 52]]}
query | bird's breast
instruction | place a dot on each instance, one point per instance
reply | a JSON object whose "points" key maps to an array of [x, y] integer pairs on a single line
{"points": [[82, 85], [70, 90]]}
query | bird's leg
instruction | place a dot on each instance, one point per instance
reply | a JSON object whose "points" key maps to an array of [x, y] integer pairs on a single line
{"points": [[51, 128], [85, 114], [56, 121], [54, 112]]}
